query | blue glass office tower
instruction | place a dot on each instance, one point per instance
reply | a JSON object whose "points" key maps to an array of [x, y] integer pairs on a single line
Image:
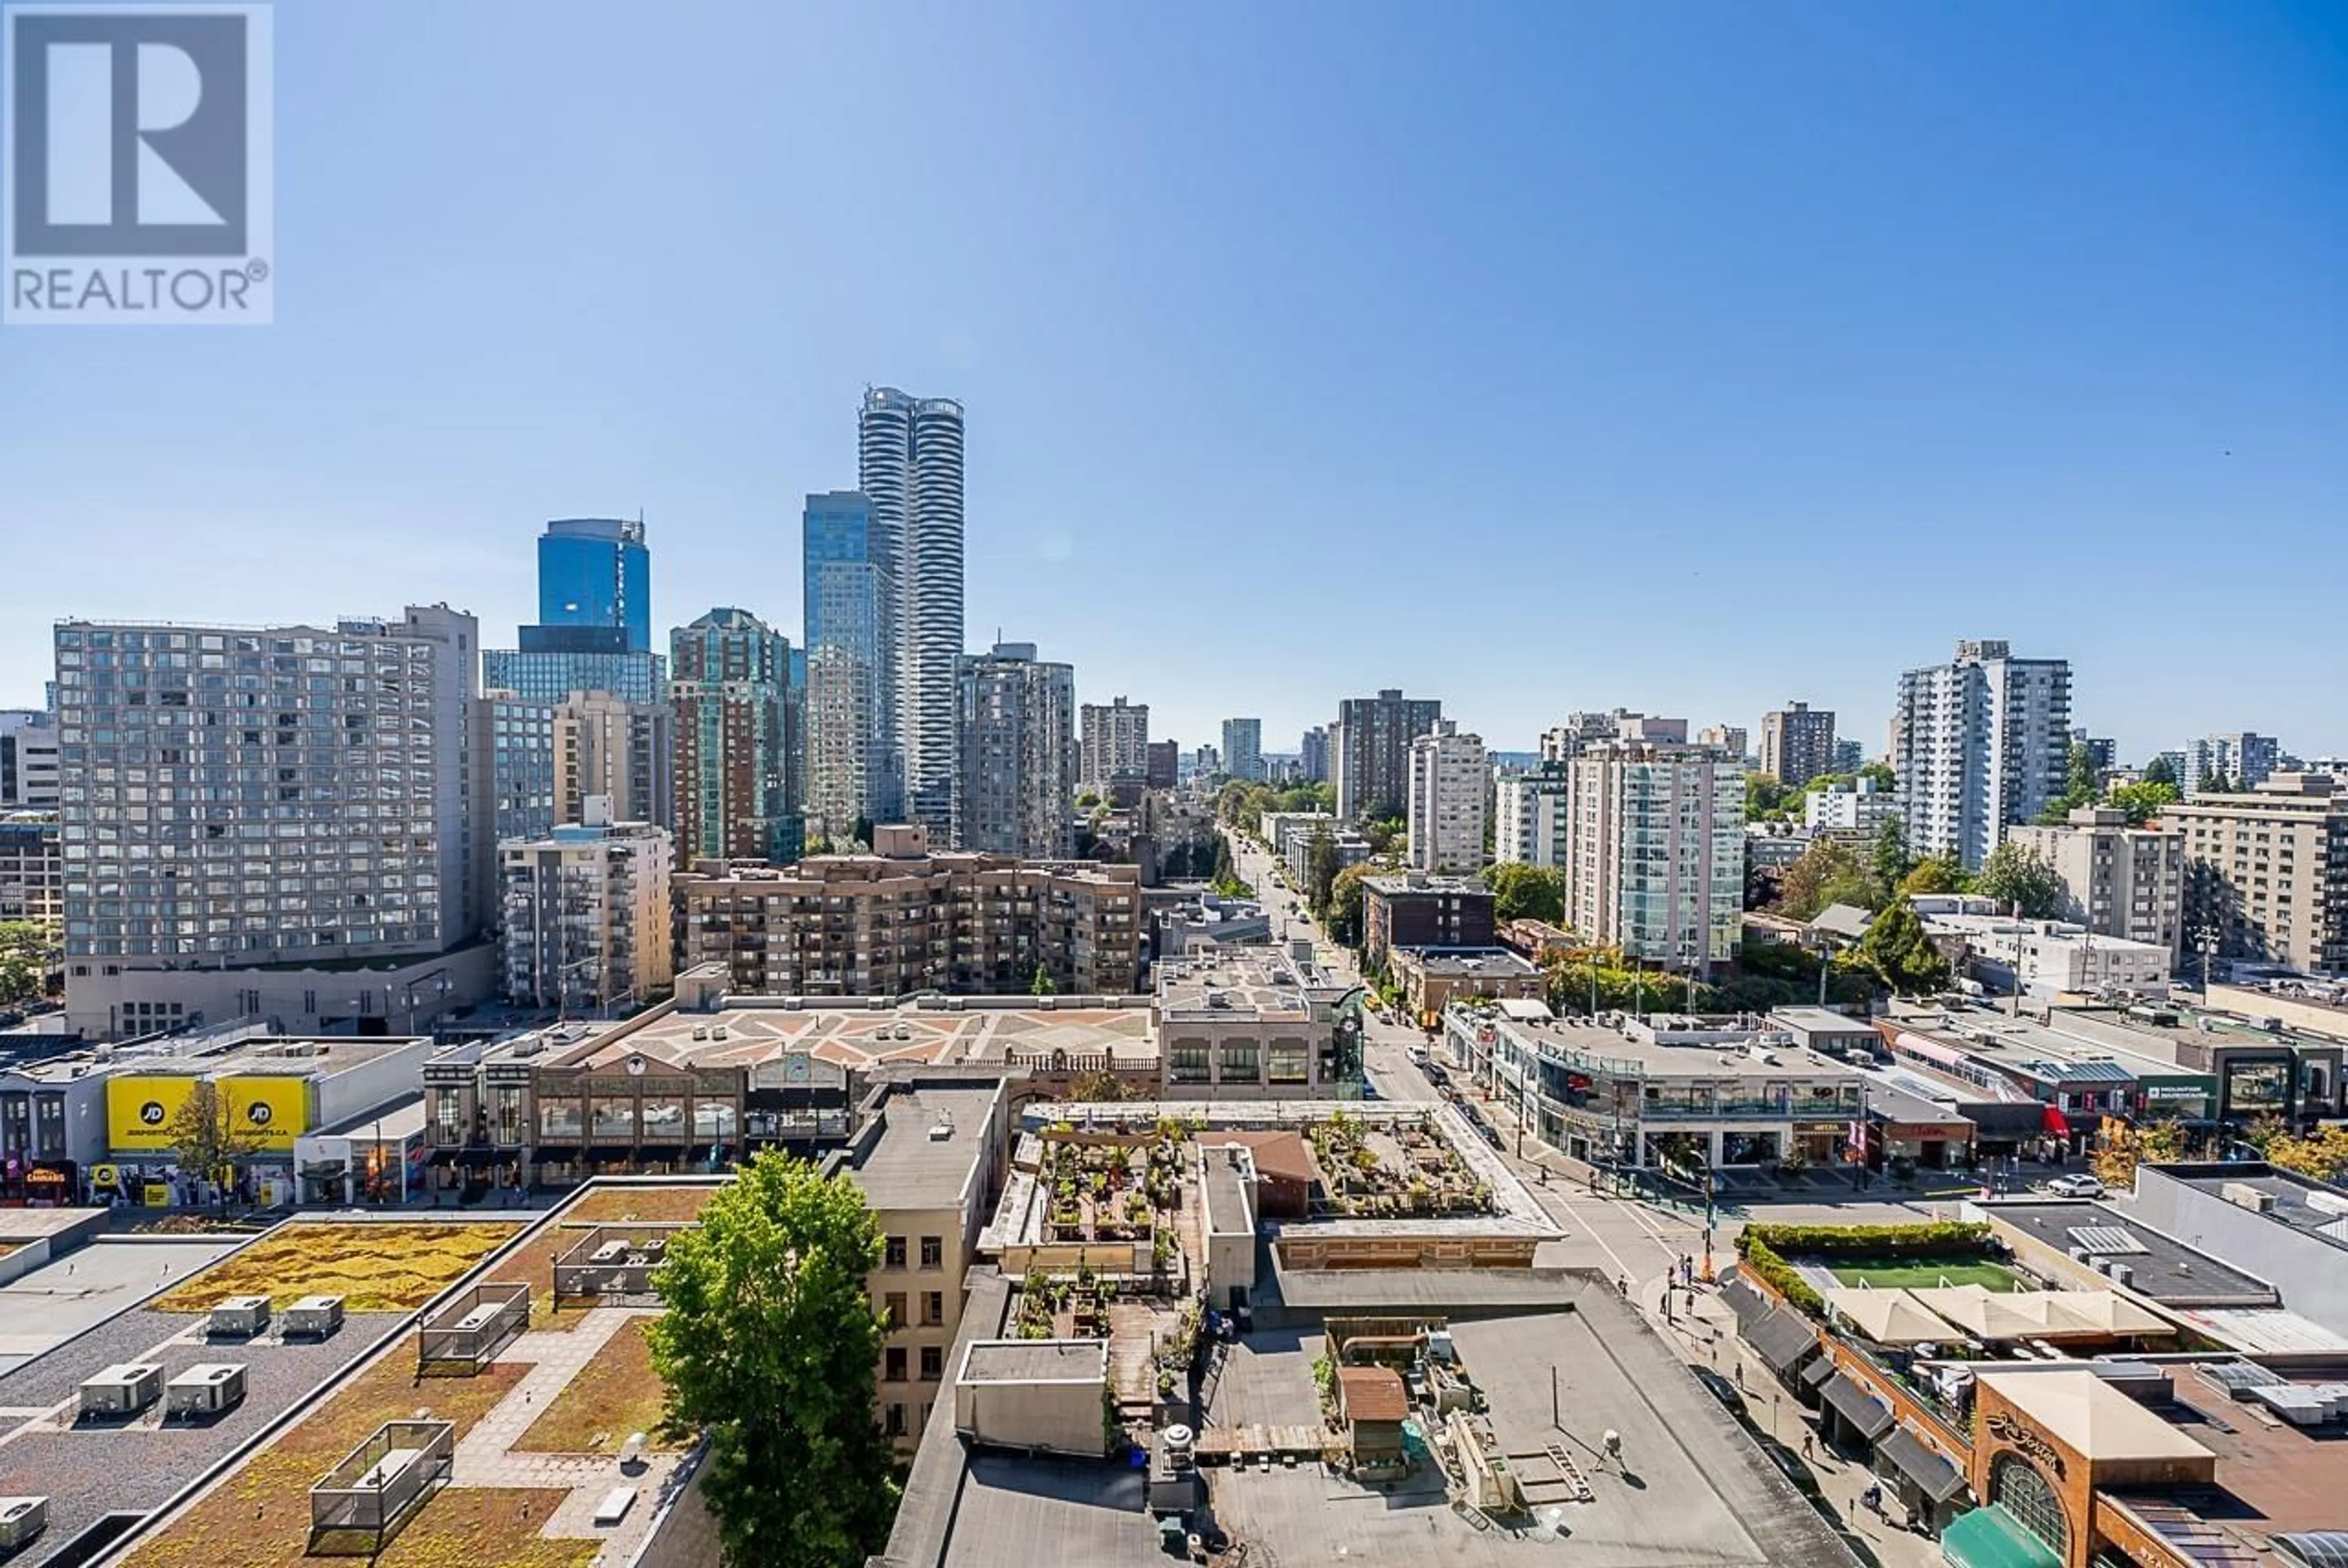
{"points": [[596, 572], [594, 629]]}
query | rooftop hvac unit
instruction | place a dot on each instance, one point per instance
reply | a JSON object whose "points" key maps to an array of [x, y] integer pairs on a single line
{"points": [[315, 1315], [239, 1317], [1180, 1445], [21, 1519], [2243, 1196], [2123, 1273], [207, 1388], [123, 1389], [2081, 1254]]}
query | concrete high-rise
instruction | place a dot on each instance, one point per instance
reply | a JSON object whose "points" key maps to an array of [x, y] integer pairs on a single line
{"points": [[28, 759], [1313, 755], [1243, 748], [1017, 717], [2266, 872], [1979, 744], [1449, 773], [1369, 752], [587, 921], [1798, 744], [1531, 821], [910, 471], [235, 798], [2243, 760], [624, 752], [2117, 880], [1116, 742], [732, 697], [1657, 862], [594, 625], [852, 762]]}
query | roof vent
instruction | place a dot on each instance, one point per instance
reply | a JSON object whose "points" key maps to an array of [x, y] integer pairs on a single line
{"points": [[943, 1128]]}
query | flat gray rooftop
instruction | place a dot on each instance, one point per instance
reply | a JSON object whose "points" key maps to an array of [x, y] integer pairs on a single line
{"points": [[1036, 1360], [1050, 1512], [2166, 1270], [2291, 1201], [41, 1310], [908, 1169]]}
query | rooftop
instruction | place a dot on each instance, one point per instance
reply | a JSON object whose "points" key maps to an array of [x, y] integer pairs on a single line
{"points": [[2087, 1414], [1650, 1051], [1266, 981], [854, 1034], [2162, 1268], [2313, 1208], [932, 1143], [1424, 883], [1035, 1361], [2273, 1478], [1466, 963]]}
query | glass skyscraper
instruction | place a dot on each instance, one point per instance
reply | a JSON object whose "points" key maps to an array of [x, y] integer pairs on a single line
{"points": [[732, 697], [595, 572], [594, 629], [853, 770]]}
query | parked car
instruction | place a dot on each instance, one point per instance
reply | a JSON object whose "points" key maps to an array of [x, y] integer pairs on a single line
{"points": [[2081, 1186]]}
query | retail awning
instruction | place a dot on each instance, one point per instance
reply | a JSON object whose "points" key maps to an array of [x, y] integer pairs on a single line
{"points": [[1934, 1476], [1868, 1415], [1745, 1300], [1818, 1372], [1992, 1538], [1783, 1339]]}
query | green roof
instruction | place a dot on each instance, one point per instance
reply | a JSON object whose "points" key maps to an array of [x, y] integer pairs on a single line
{"points": [[1992, 1538]]}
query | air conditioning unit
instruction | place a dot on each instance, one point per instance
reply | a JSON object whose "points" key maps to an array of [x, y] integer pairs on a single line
{"points": [[239, 1317], [21, 1519], [123, 1389], [207, 1388], [315, 1315]]}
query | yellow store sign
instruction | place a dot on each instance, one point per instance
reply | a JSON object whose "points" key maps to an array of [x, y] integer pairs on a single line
{"points": [[275, 1109]]}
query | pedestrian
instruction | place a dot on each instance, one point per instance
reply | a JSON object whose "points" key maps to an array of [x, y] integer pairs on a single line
{"points": [[1622, 1287], [1810, 1445]]}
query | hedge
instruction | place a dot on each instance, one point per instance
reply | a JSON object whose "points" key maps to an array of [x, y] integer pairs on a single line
{"points": [[1759, 1259], [1939, 1238]]}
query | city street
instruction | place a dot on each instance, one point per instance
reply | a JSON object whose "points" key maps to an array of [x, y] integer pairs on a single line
{"points": [[1641, 1239]]}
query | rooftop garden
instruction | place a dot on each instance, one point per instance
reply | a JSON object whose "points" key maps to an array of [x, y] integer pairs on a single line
{"points": [[533, 1264], [259, 1517], [375, 1267], [618, 1395], [1403, 1169], [1110, 1191]]}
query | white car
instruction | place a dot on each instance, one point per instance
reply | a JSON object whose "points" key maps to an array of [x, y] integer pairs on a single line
{"points": [[2076, 1187]]}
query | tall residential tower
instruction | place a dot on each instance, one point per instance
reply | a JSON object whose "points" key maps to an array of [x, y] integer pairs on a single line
{"points": [[1979, 744], [908, 463]]}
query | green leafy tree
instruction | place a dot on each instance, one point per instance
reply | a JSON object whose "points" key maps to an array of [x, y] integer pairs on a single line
{"points": [[1043, 984], [2080, 787], [210, 1134], [1320, 868], [1941, 873], [1386, 833], [1345, 917], [1888, 863], [768, 1345], [1086, 800], [2142, 801], [1897, 952], [1828, 872], [2215, 782], [1885, 779], [1527, 893], [2160, 770], [1766, 799], [2022, 880], [26, 946], [1224, 871]]}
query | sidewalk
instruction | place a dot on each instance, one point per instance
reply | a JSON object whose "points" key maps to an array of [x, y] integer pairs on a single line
{"points": [[1707, 1339]]}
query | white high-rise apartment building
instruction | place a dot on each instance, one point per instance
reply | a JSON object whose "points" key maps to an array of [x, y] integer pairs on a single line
{"points": [[1979, 744], [1018, 722], [1657, 862], [841, 786], [1243, 748], [28, 759], [2245, 759], [1116, 742], [910, 468], [1855, 807], [233, 797], [586, 913], [1448, 775], [1798, 744], [1532, 825]]}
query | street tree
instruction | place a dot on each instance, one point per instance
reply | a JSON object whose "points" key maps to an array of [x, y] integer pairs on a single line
{"points": [[1890, 862], [769, 1345], [2125, 1147], [1828, 872], [2021, 879], [2160, 770], [1344, 919], [208, 1135], [1941, 873], [24, 949], [1043, 984], [1527, 893], [1321, 872]]}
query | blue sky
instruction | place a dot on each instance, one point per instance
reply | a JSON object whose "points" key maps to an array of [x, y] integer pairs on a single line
{"points": [[1685, 357]]}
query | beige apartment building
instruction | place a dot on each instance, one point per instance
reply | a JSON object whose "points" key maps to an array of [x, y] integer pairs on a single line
{"points": [[903, 919], [587, 920], [2266, 872], [2117, 880]]}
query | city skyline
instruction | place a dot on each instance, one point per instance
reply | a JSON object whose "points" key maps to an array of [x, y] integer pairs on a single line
{"points": [[1934, 378]]}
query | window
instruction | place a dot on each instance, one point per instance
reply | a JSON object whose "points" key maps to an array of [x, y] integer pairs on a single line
{"points": [[893, 1305], [933, 1252], [933, 1363], [895, 1423], [2016, 1483], [895, 1257], [447, 1117], [933, 1307], [892, 1364]]}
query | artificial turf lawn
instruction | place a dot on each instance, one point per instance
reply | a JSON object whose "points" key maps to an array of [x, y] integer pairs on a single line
{"points": [[1924, 1275], [375, 1267]]}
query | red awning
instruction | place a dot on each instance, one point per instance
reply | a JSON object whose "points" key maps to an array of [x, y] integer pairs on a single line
{"points": [[2054, 1123]]}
